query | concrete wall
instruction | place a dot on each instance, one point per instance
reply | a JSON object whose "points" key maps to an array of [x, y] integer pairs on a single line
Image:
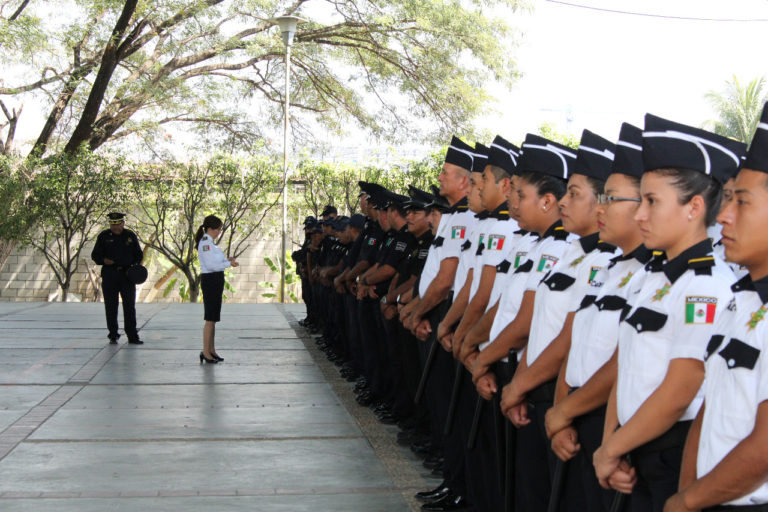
{"points": [[27, 277]]}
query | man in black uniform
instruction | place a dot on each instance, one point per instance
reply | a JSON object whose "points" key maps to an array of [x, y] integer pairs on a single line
{"points": [[116, 250]]}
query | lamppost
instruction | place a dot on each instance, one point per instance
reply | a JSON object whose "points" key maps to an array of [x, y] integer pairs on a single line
{"points": [[287, 24]]}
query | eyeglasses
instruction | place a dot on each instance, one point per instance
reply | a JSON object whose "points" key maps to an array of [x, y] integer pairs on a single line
{"points": [[606, 199]]}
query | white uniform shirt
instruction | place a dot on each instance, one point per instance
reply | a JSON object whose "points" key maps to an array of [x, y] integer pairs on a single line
{"points": [[672, 315], [212, 259], [737, 379], [563, 288], [595, 332], [467, 257], [451, 234], [543, 254], [498, 230], [516, 254]]}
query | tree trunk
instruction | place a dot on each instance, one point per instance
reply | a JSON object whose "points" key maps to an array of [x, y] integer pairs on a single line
{"points": [[194, 292], [64, 292]]}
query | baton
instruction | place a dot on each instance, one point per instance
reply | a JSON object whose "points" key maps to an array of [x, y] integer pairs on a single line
{"points": [[557, 486], [475, 423], [499, 436], [617, 505], [509, 468], [457, 377], [425, 372]]}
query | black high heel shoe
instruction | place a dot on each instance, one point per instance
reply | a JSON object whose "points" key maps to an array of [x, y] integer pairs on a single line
{"points": [[209, 361], [216, 357]]}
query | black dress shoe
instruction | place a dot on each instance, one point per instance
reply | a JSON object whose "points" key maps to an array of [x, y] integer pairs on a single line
{"points": [[433, 494], [136, 341], [433, 462], [449, 502]]}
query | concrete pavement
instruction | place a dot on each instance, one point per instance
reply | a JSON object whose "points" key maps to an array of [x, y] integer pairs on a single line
{"points": [[89, 426]]}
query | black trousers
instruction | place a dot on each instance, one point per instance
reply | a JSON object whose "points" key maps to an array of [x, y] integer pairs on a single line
{"points": [[658, 475], [590, 431], [353, 332], [115, 285]]}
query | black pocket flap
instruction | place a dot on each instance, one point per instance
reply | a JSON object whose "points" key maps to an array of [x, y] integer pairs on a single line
{"points": [[466, 245], [714, 343], [559, 282], [525, 267], [611, 303], [438, 242], [738, 354], [587, 301], [503, 267], [644, 319]]}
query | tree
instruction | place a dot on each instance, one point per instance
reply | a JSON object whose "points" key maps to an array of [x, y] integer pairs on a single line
{"points": [[547, 130], [71, 195], [738, 108], [173, 200], [124, 67], [16, 197]]}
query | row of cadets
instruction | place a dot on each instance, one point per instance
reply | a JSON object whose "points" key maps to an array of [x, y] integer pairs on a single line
{"points": [[375, 284], [424, 312], [724, 465], [531, 393], [671, 312], [575, 422]]}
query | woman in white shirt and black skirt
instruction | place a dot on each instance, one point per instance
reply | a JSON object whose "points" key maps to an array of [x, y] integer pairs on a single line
{"points": [[212, 265]]}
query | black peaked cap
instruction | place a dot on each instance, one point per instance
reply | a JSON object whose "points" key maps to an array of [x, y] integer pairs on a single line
{"points": [[544, 156], [460, 153], [629, 151], [504, 154], [595, 156], [669, 144], [757, 157]]}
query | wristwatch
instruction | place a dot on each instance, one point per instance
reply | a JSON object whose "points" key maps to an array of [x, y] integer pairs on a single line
{"points": [[383, 300]]}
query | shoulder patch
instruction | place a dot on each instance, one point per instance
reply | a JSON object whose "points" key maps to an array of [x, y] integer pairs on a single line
{"points": [[546, 263], [458, 232], [700, 310], [519, 258], [495, 242], [206, 248]]}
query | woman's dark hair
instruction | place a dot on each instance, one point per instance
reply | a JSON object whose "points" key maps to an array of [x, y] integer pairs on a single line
{"points": [[598, 186], [212, 222], [545, 184], [690, 183]]}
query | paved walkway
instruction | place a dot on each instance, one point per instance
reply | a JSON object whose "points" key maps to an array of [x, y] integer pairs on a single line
{"points": [[89, 426]]}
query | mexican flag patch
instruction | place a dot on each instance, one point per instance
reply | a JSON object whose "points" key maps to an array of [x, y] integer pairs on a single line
{"points": [[592, 273], [206, 248], [546, 263], [495, 242], [700, 310], [458, 232], [519, 258]]}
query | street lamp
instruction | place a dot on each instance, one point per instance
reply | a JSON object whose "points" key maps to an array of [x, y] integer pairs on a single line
{"points": [[287, 24]]}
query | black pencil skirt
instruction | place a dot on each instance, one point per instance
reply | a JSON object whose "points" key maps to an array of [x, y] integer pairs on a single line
{"points": [[212, 285]]}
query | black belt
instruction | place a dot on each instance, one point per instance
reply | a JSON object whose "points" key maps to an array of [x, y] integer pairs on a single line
{"points": [[763, 507], [543, 393], [673, 437], [600, 411]]}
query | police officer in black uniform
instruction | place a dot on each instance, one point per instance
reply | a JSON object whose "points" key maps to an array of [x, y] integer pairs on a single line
{"points": [[117, 249]]}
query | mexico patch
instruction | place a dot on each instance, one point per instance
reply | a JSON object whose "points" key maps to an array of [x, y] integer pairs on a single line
{"points": [[206, 248], [458, 232], [593, 273], [700, 310], [519, 258], [495, 242], [546, 263], [371, 241]]}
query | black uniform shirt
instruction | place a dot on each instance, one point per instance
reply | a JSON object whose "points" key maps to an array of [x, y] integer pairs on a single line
{"points": [[373, 236], [123, 249], [414, 263]]}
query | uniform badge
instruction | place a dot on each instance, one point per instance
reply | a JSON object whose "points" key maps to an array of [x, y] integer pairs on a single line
{"points": [[577, 260], [401, 246], [519, 258], [757, 317], [458, 232], [593, 273], [625, 280], [700, 310], [661, 292], [546, 263], [495, 242], [371, 241], [206, 248]]}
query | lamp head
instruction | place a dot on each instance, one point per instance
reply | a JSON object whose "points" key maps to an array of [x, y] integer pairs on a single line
{"points": [[287, 26]]}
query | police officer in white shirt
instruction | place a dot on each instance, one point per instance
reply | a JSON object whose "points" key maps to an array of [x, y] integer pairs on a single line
{"points": [[575, 422], [212, 264], [725, 463], [663, 338]]}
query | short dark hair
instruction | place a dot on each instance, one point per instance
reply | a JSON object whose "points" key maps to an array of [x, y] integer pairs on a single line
{"points": [[545, 184], [690, 183], [598, 186], [498, 173]]}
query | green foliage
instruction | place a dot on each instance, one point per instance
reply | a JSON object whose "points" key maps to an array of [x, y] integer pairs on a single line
{"points": [[291, 278], [16, 197], [548, 131], [173, 199], [70, 197], [738, 108], [196, 63]]}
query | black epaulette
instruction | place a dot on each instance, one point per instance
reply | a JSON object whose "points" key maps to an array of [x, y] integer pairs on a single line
{"points": [[466, 245], [657, 262], [702, 266], [605, 247], [560, 233], [438, 241], [483, 215], [500, 215], [521, 232]]}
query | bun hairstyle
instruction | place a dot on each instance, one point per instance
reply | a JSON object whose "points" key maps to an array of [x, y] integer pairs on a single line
{"points": [[210, 222], [545, 184], [689, 183]]}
